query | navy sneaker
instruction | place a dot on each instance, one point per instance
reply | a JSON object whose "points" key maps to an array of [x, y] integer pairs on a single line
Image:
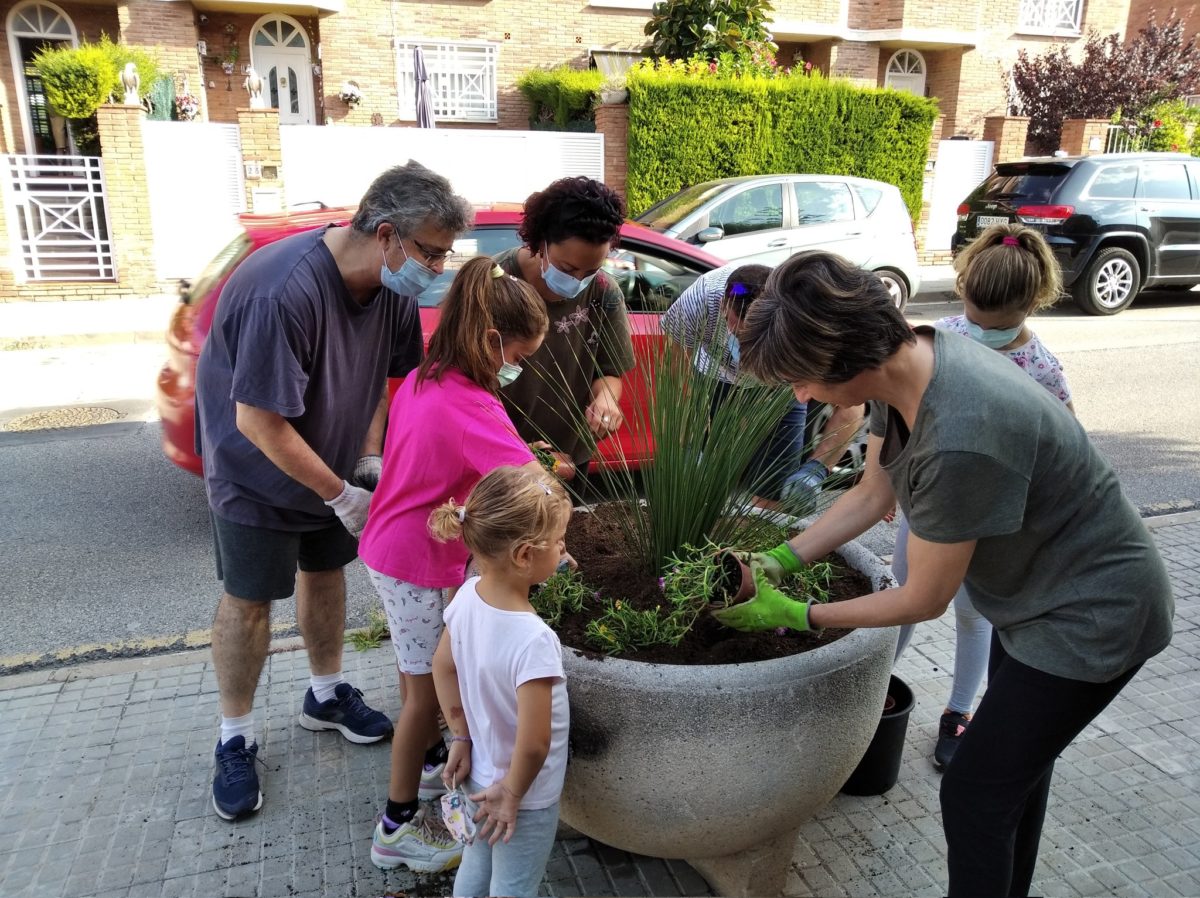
{"points": [[235, 784], [347, 713]]}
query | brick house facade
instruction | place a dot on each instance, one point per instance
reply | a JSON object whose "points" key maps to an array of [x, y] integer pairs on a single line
{"points": [[475, 50]]}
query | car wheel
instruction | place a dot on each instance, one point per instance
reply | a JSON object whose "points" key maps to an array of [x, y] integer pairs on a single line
{"points": [[896, 286], [1109, 284]]}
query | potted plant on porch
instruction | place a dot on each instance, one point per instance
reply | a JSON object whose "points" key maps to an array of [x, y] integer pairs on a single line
{"points": [[690, 740]]}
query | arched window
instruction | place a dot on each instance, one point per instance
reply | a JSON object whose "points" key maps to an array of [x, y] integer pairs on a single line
{"points": [[906, 71], [279, 52], [31, 27]]}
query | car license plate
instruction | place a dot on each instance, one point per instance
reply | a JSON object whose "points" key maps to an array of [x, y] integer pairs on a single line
{"points": [[986, 221]]}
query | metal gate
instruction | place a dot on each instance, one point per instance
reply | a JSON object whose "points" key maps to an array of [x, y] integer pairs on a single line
{"points": [[196, 186], [60, 220], [961, 166]]}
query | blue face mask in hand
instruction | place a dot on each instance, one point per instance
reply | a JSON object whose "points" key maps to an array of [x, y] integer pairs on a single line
{"points": [[992, 338], [562, 283], [412, 279]]}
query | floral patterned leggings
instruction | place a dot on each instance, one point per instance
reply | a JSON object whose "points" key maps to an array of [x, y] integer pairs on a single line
{"points": [[414, 616]]}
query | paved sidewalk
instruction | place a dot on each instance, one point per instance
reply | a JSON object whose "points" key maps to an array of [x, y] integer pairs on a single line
{"points": [[105, 773]]}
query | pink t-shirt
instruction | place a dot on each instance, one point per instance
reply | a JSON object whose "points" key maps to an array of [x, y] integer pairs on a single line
{"points": [[442, 438]]}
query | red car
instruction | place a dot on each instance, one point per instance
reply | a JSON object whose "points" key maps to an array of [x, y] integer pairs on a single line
{"points": [[652, 270]]}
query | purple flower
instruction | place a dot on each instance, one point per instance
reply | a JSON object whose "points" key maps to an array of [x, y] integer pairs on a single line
{"points": [[662, 583]]}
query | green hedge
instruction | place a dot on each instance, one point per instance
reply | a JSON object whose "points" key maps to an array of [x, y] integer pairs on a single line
{"points": [[563, 96], [686, 127]]}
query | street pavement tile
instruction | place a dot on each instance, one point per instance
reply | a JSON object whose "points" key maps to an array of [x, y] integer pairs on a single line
{"points": [[106, 778]]}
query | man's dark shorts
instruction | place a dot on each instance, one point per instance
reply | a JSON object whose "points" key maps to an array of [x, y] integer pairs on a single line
{"points": [[260, 565]]}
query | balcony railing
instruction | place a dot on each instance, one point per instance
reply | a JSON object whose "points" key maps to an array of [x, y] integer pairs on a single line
{"points": [[1051, 16], [462, 80]]}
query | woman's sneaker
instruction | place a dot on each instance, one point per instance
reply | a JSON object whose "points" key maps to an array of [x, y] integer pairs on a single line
{"points": [[431, 782], [417, 845], [950, 733]]}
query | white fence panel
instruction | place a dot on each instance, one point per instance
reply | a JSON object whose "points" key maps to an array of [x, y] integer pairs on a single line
{"points": [[961, 166], [335, 165], [59, 222], [194, 174]]}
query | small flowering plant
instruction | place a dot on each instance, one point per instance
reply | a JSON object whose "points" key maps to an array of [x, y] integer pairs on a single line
{"points": [[187, 107], [350, 94]]}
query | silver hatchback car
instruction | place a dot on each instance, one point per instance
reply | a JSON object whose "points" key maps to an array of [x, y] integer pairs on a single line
{"points": [[766, 218]]}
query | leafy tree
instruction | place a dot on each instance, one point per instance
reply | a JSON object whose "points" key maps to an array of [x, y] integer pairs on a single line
{"points": [[682, 29], [1108, 79], [76, 79]]}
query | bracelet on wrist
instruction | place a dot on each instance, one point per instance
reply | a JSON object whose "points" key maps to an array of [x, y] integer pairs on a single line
{"points": [[460, 738]]}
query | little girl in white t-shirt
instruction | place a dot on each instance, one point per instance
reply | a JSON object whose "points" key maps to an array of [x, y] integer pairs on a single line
{"points": [[499, 679]]}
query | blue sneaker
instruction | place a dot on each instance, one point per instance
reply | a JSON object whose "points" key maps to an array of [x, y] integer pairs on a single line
{"points": [[347, 713], [235, 784]]}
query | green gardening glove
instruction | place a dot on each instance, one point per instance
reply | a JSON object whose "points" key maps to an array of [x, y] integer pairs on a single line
{"points": [[778, 563], [768, 610]]}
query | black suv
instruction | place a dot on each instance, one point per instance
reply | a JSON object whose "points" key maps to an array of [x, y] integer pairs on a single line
{"points": [[1118, 222]]}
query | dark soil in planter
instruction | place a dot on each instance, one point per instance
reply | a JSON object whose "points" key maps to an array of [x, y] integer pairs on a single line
{"points": [[598, 545]]}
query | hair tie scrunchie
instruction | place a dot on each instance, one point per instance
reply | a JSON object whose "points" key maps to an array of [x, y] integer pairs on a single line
{"points": [[1009, 240], [498, 272], [461, 511]]}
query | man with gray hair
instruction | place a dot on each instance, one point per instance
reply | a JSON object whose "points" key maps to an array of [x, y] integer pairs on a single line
{"points": [[291, 404]]}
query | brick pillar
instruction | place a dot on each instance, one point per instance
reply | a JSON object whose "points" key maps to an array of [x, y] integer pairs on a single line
{"points": [[9, 118], [8, 260], [128, 197], [921, 227], [1008, 134], [259, 131], [1083, 136], [612, 120], [857, 61], [169, 31]]}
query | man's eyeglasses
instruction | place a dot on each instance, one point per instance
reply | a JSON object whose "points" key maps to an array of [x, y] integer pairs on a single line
{"points": [[431, 257]]}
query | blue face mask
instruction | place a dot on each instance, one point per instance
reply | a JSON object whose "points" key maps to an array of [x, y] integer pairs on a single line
{"points": [[562, 283], [412, 279], [992, 338], [735, 349], [508, 371]]}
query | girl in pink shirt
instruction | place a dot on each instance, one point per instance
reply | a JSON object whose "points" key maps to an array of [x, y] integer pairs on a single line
{"points": [[446, 429]]}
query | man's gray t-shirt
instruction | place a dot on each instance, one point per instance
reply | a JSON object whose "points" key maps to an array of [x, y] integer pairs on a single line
{"points": [[288, 337], [1064, 568]]}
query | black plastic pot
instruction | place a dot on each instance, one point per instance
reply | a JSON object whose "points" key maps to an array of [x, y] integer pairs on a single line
{"points": [[880, 766]]}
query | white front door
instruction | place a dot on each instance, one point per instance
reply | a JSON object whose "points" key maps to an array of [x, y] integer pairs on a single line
{"points": [[280, 55]]}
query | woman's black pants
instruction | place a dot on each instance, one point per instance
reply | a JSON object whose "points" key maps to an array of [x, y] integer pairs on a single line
{"points": [[994, 791]]}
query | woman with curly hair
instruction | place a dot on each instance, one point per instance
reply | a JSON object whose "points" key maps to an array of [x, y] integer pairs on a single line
{"points": [[570, 395]]}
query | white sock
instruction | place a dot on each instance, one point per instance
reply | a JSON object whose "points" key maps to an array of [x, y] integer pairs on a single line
{"points": [[238, 726], [323, 686]]}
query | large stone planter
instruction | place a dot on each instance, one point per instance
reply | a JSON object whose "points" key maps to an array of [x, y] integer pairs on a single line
{"points": [[721, 764]]}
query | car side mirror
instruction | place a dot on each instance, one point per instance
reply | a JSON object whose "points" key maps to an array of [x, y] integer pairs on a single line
{"points": [[708, 235]]}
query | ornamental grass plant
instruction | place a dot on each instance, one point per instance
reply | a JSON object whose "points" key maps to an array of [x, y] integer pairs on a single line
{"points": [[675, 512]]}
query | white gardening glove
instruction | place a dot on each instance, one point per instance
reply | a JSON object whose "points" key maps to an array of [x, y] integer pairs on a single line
{"points": [[366, 472], [351, 506]]}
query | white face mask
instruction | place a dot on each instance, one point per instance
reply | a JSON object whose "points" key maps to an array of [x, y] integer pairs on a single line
{"points": [[508, 371]]}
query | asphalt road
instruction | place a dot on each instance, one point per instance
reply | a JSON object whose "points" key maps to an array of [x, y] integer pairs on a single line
{"points": [[104, 544]]}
